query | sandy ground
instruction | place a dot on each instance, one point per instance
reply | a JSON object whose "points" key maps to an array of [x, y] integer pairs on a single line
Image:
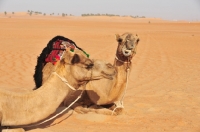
{"points": [[163, 90]]}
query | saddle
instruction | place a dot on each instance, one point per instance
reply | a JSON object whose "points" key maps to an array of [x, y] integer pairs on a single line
{"points": [[57, 51], [51, 53]]}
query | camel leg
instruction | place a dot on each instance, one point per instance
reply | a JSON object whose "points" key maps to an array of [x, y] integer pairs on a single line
{"points": [[117, 108], [119, 104], [14, 130]]}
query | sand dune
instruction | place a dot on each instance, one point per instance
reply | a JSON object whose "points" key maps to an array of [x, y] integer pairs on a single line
{"points": [[163, 90]]}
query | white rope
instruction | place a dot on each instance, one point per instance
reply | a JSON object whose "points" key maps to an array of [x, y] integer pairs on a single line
{"points": [[120, 60], [126, 84], [54, 115], [120, 104], [64, 80], [59, 112]]}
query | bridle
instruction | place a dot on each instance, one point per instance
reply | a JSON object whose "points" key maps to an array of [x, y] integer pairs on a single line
{"points": [[129, 57], [64, 80]]}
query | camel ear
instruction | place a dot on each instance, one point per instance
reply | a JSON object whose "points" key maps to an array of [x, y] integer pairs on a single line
{"points": [[117, 36], [137, 39], [75, 59]]}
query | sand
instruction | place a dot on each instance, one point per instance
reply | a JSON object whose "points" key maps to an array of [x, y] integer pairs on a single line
{"points": [[163, 90]]}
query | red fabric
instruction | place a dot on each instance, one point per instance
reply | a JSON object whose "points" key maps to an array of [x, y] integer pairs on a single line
{"points": [[57, 58], [53, 56]]}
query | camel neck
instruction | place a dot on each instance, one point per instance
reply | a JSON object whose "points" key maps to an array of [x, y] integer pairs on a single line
{"points": [[121, 78], [34, 106], [120, 63]]}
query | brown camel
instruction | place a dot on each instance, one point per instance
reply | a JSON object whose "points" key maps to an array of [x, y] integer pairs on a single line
{"points": [[106, 92], [19, 109], [112, 90]]}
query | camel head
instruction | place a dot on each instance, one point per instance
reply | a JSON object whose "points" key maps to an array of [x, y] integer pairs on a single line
{"points": [[107, 70], [82, 69], [127, 44]]}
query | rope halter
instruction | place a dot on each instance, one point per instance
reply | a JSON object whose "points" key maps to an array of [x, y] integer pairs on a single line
{"points": [[64, 80]]}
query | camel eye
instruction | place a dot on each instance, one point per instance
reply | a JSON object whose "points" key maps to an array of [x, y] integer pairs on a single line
{"points": [[119, 40], [88, 67]]}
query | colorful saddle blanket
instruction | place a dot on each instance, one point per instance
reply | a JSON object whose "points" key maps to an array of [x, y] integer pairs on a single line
{"points": [[58, 47]]}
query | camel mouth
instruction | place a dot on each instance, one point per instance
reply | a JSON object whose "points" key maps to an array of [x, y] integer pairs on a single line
{"points": [[103, 75], [108, 76], [126, 52]]}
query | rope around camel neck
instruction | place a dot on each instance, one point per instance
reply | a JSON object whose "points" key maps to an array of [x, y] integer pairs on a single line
{"points": [[57, 113], [121, 101], [54, 115], [66, 82]]}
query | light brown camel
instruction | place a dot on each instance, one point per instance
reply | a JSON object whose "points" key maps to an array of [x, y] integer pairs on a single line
{"points": [[106, 92], [110, 91], [18, 109]]}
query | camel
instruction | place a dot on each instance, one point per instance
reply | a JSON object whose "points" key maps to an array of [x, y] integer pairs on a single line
{"points": [[111, 91], [72, 71]]}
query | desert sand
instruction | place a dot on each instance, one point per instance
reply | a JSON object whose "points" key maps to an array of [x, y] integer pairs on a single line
{"points": [[163, 89]]}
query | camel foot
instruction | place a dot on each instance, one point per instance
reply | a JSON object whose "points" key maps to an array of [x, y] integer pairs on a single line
{"points": [[117, 111], [112, 109], [117, 108]]}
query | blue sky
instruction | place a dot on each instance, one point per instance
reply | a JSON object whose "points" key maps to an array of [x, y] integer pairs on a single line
{"points": [[165, 9]]}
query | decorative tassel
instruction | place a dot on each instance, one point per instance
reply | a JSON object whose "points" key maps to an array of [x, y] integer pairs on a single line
{"points": [[86, 54]]}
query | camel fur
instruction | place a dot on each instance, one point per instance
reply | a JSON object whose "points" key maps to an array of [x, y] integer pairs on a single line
{"points": [[18, 109]]}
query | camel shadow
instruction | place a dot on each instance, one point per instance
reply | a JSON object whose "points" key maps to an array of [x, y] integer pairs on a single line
{"points": [[83, 102]]}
